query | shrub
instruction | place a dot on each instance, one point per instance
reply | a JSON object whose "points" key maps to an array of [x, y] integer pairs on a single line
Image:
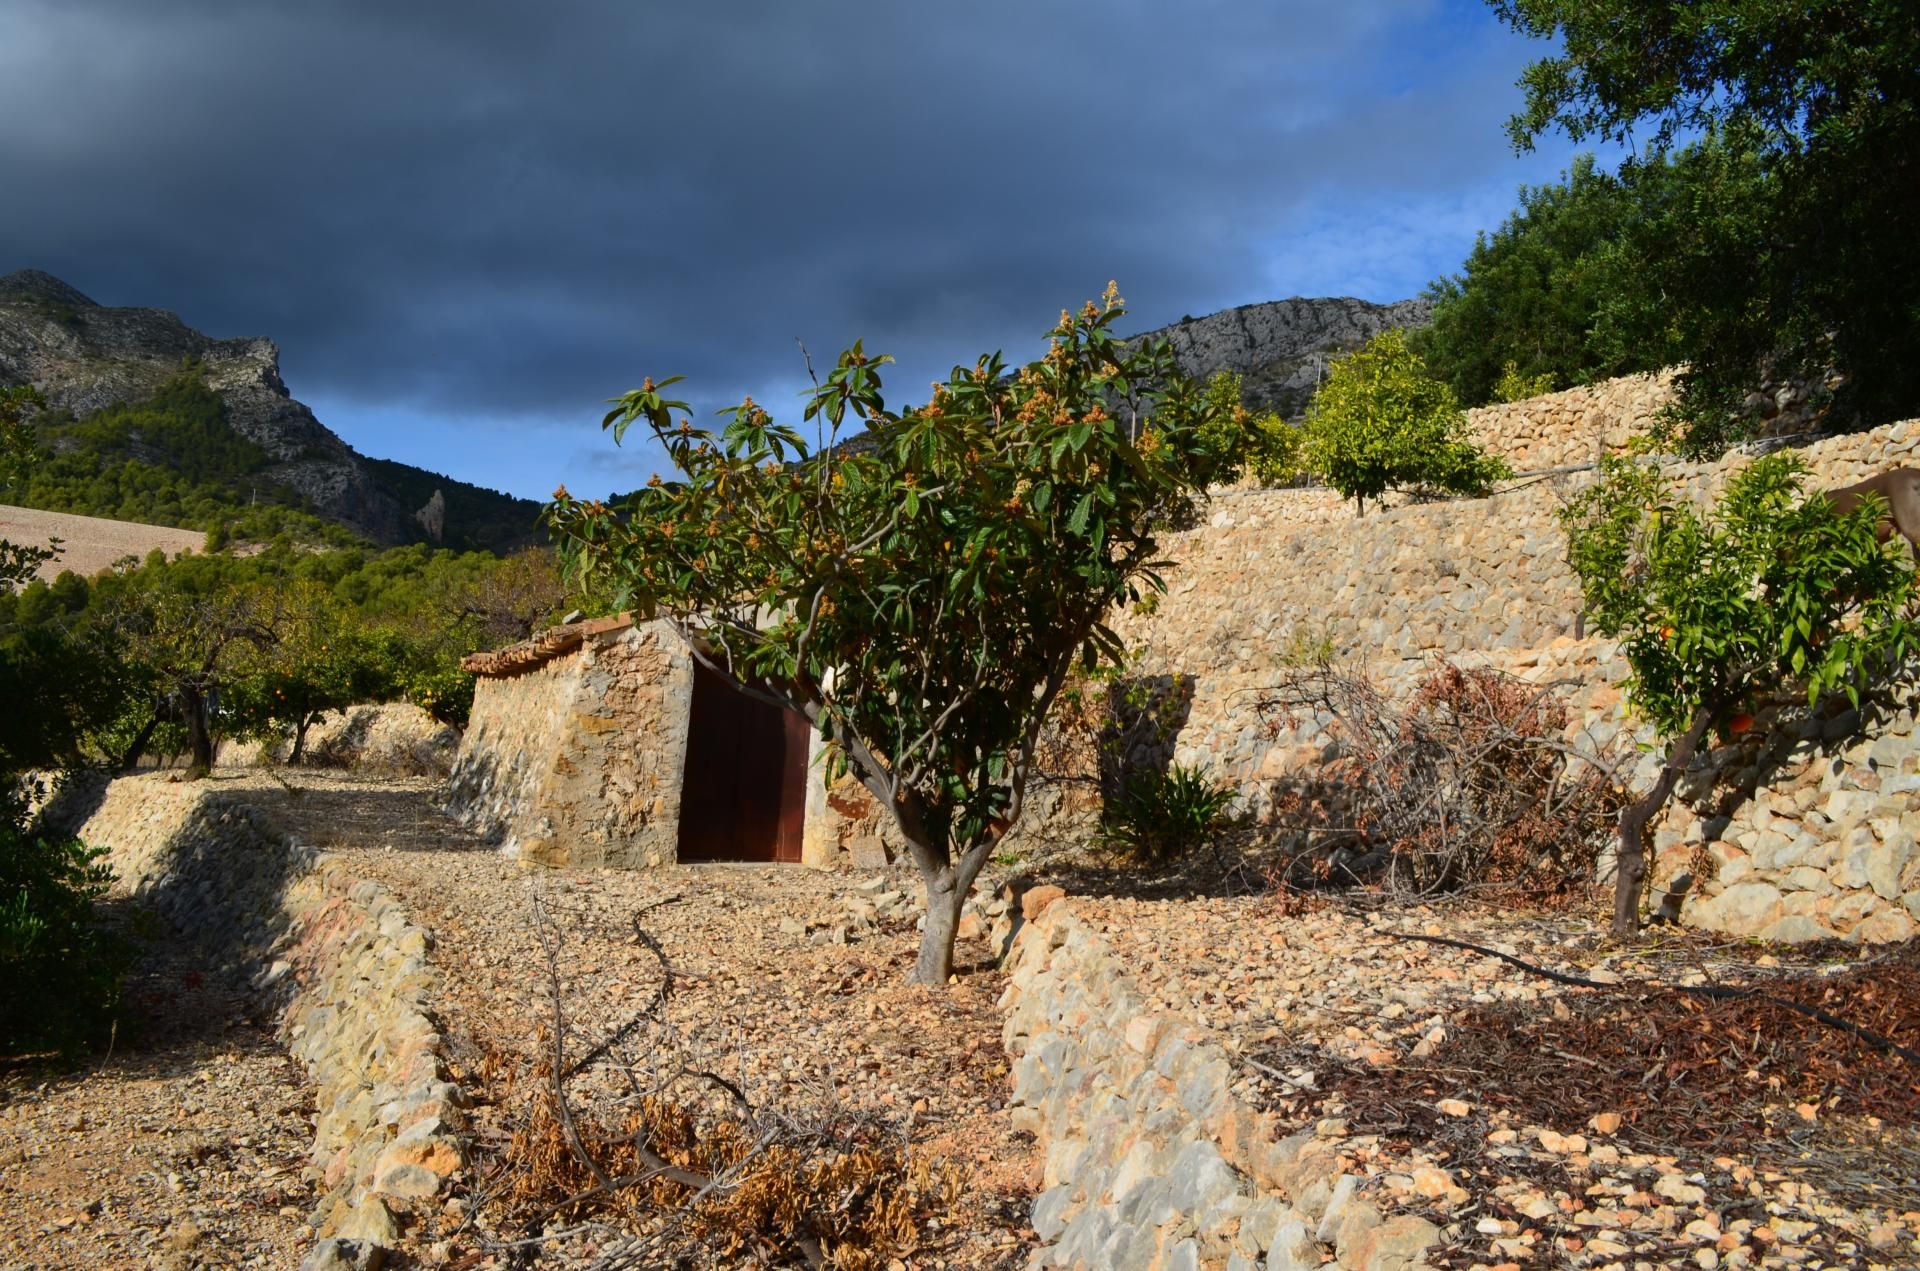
{"points": [[1512, 386], [1158, 817], [1773, 590], [59, 973], [1381, 422], [1265, 447], [1467, 784]]}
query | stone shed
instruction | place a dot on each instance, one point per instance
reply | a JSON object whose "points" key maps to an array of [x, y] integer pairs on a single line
{"points": [[602, 743]]}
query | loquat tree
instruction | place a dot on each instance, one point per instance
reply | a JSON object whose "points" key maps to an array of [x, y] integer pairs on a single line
{"points": [[920, 599]]}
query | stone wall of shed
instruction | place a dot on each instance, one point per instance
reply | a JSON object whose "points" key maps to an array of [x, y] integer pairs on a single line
{"points": [[578, 760]]}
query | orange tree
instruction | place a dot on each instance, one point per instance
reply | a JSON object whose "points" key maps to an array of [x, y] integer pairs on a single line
{"points": [[1769, 592], [921, 594]]}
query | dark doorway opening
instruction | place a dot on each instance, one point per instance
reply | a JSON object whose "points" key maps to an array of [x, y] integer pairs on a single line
{"points": [[743, 795]]}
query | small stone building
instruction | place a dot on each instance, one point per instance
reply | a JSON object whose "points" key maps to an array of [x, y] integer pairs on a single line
{"points": [[600, 744], [603, 743]]}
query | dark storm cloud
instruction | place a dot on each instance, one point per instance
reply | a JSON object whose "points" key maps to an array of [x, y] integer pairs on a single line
{"points": [[512, 210]]}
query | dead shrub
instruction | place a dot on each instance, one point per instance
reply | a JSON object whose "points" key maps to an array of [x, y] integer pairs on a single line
{"points": [[1467, 784], [840, 1189]]}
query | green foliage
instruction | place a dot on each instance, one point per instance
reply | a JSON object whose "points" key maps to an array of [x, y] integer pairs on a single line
{"points": [[920, 601], [1264, 447], [1158, 817], [170, 460], [1769, 591], [1529, 293], [1512, 386], [59, 972], [18, 561], [1380, 422], [1827, 94], [478, 519]]}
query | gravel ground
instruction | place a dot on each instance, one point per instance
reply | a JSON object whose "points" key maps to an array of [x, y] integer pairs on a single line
{"points": [[181, 1148], [1319, 1009], [795, 1024]]}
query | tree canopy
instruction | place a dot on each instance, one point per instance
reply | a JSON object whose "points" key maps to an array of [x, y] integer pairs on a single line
{"points": [[1827, 95], [921, 597], [1381, 422]]}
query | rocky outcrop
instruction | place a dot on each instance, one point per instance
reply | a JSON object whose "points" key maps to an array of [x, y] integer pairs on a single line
{"points": [[1280, 349], [85, 356]]}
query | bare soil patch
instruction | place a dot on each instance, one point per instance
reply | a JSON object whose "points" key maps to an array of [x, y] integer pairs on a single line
{"points": [[89, 544], [181, 1148], [1537, 1122]]}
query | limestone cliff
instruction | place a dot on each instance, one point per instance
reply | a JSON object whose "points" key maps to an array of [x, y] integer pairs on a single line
{"points": [[1280, 348], [84, 356]]}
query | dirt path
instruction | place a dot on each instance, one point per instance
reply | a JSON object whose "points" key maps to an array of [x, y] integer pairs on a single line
{"points": [[795, 1025], [183, 1148]]}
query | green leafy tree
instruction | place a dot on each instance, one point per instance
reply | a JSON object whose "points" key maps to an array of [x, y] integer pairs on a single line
{"points": [[322, 658], [1529, 292], [920, 600], [1769, 592], [1513, 386], [1380, 422], [1263, 446], [1827, 93], [59, 971], [188, 647], [18, 561]]}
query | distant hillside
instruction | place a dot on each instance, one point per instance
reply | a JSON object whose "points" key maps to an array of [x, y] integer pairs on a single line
{"points": [[100, 367], [89, 544], [1281, 347]]}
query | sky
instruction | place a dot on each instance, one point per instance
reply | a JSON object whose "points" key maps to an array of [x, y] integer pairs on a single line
{"points": [[468, 225]]}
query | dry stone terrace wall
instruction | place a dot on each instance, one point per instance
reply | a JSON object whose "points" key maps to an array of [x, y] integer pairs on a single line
{"points": [[576, 760], [1564, 429], [338, 957], [1486, 582], [1150, 1161]]}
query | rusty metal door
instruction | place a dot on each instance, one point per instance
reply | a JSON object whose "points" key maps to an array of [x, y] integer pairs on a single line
{"points": [[743, 794]]}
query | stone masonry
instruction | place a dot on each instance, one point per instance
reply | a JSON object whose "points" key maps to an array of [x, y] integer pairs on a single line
{"points": [[338, 957], [575, 757], [578, 759], [1150, 1162]]}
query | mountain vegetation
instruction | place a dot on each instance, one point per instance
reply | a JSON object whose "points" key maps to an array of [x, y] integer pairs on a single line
{"points": [[1789, 243], [147, 419]]}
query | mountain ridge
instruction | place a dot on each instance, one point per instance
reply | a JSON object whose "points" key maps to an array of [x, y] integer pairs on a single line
{"points": [[85, 357], [1280, 348]]}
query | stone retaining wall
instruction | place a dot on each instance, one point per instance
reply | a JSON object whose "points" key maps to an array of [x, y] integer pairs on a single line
{"points": [[1576, 426], [334, 953], [1150, 1162], [1485, 581]]}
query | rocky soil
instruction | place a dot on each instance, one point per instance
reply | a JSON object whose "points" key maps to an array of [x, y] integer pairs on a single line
{"points": [[181, 1148], [1365, 1039], [779, 983]]}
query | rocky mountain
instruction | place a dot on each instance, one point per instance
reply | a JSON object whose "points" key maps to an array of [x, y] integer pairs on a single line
{"points": [[1280, 348], [85, 356]]}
